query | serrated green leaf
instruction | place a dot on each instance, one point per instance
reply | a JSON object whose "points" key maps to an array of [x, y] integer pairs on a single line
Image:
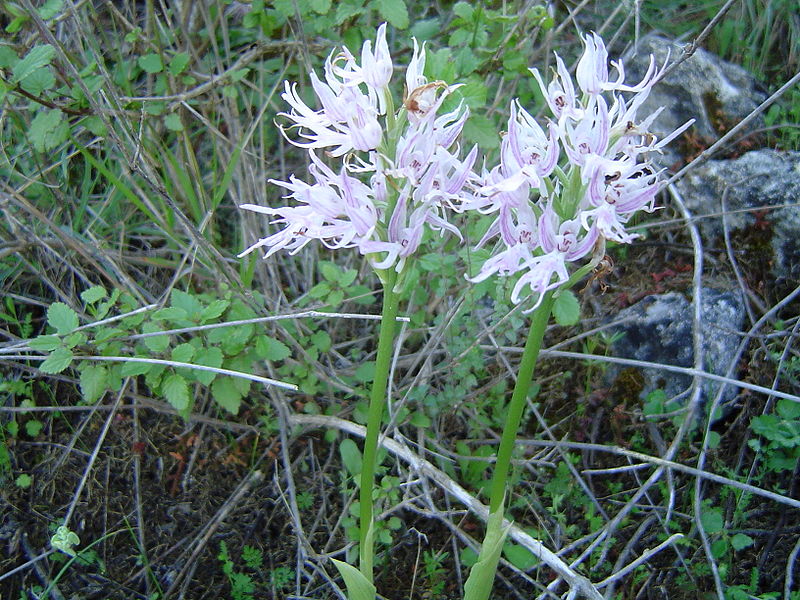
{"points": [[348, 10], [179, 63], [94, 380], [358, 586], [62, 318], [463, 10], [156, 343], [151, 63], [73, 339], [330, 271], [170, 313], [58, 360], [33, 427], [214, 310], [8, 58], [788, 409], [347, 277], [268, 348], [189, 303], [712, 520], [133, 368], [47, 130], [321, 340], [208, 357], [39, 81], [176, 391], [183, 353], [566, 309], [225, 393], [321, 6], [351, 456], [36, 58], [482, 131], [394, 11], [741, 541], [45, 343], [93, 294]]}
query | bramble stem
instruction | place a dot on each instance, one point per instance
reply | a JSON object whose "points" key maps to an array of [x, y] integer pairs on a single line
{"points": [[377, 402], [516, 407]]}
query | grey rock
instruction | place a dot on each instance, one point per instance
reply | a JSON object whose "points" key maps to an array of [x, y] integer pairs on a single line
{"points": [[658, 329], [757, 180], [697, 89]]}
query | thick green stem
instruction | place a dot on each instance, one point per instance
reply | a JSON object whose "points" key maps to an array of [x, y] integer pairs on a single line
{"points": [[517, 405], [377, 402]]}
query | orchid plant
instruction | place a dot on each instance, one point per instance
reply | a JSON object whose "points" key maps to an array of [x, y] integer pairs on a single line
{"points": [[398, 175], [559, 193]]}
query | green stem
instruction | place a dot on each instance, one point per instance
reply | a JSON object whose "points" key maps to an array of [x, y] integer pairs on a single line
{"points": [[377, 402], [516, 407]]}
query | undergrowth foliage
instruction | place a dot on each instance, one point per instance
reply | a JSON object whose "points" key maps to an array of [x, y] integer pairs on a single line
{"points": [[147, 375]]}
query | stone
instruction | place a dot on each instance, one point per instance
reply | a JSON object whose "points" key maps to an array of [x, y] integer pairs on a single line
{"points": [[716, 93], [658, 329], [761, 189]]}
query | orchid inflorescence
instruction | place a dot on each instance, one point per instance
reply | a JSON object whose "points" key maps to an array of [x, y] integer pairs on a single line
{"points": [[559, 191], [398, 173], [561, 194]]}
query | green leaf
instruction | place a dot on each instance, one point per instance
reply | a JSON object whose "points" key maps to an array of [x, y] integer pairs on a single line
{"points": [[182, 353], [47, 130], [321, 341], [94, 380], [321, 6], [269, 348], [50, 9], [351, 456], [740, 541], [330, 271], [133, 368], [366, 371], [36, 58], [45, 343], [358, 586], [179, 63], [93, 294], [208, 357], [62, 318], [189, 303], [151, 63], [519, 556], [33, 427], [788, 409], [214, 310], [37, 82], [394, 11], [173, 122], [226, 394], [176, 391], [482, 131], [23, 481], [566, 309], [8, 58], [347, 277], [59, 360], [481, 576], [170, 313], [712, 520], [346, 10], [156, 343], [463, 10]]}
